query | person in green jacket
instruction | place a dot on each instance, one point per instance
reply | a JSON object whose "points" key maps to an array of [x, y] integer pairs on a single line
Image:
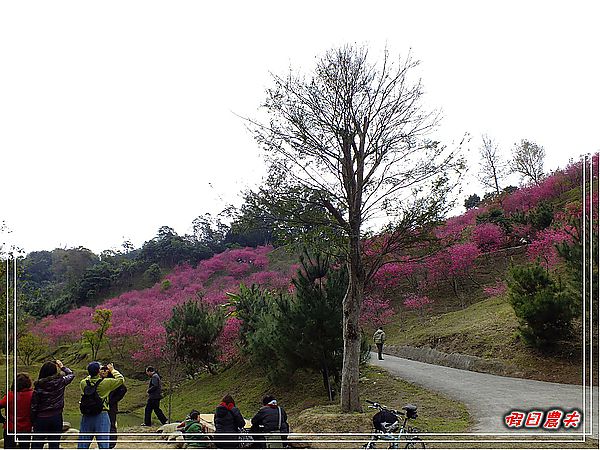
{"points": [[193, 425], [98, 425]]}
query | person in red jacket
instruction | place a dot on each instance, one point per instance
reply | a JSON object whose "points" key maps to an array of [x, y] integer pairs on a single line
{"points": [[24, 392]]}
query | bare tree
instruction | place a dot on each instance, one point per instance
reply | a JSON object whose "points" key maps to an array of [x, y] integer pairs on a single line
{"points": [[528, 160], [492, 166], [353, 135]]}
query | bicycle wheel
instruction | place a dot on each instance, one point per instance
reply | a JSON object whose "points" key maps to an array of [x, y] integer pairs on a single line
{"points": [[415, 443]]}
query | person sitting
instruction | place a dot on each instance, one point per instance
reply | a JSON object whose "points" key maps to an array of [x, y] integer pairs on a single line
{"points": [[192, 429], [228, 419], [271, 418]]}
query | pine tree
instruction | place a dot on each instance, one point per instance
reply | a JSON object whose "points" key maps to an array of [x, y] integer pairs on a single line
{"points": [[572, 253], [315, 318], [300, 331], [196, 327], [541, 303]]}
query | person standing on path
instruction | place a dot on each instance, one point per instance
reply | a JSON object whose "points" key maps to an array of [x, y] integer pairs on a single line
{"points": [[154, 396], [379, 338], [95, 391], [113, 405], [48, 402]]}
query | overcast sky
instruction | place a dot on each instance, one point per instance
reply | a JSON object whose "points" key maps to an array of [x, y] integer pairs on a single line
{"points": [[118, 117]]}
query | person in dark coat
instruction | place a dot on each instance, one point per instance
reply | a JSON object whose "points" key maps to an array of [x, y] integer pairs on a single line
{"points": [[228, 419], [113, 405], [271, 418], [154, 396], [48, 402]]}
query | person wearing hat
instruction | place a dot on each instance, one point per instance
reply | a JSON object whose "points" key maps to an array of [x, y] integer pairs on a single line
{"points": [[48, 402], [271, 418], [97, 425]]}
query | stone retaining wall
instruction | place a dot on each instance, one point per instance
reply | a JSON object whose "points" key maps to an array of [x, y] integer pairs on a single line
{"points": [[456, 360]]}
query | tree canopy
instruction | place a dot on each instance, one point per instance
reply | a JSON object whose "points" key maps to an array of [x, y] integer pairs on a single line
{"points": [[351, 139]]}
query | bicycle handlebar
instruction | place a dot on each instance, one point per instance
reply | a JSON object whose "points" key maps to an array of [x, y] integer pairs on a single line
{"points": [[379, 406]]}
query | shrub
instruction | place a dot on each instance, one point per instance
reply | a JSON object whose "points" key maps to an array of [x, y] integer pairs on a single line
{"points": [[30, 348], [497, 217], [192, 331], [496, 290], [472, 201], [542, 305], [543, 248], [417, 302], [541, 216], [488, 237], [152, 274], [297, 331]]}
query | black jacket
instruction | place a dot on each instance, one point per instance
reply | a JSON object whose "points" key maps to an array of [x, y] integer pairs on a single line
{"points": [[266, 420], [228, 421], [155, 387], [115, 397], [48, 397]]}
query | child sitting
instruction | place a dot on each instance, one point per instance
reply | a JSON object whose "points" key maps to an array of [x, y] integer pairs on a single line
{"points": [[192, 425]]}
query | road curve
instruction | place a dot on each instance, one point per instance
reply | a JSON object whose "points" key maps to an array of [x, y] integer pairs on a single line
{"points": [[490, 397]]}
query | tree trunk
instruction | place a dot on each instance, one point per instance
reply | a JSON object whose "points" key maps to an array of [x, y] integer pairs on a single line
{"points": [[350, 400], [326, 383], [170, 390]]}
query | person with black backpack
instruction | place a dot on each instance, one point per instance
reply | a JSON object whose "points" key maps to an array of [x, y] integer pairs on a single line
{"points": [[113, 405], [95, 391]]}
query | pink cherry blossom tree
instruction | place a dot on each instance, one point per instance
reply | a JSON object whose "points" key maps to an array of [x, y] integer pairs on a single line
{"points": [[418, 303]]}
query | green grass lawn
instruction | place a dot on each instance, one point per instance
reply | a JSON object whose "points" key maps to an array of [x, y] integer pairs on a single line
{"points": [[303, 397], [488, 329]]}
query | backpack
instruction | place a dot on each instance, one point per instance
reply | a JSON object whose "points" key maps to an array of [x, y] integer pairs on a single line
{"points": [[117, 395], [383, 419], [91, 403]]}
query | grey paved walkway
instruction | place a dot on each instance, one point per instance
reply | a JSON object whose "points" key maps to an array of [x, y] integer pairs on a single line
{"points": [[490, 397]]}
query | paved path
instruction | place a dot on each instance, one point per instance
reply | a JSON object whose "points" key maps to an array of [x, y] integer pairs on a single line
{"points": [[489, 397]]}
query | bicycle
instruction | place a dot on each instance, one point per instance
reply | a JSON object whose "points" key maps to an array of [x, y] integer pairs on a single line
{"points": [[393, 432]]}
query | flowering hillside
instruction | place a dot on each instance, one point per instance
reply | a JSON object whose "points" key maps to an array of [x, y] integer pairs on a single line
{"points": [[138, 316], [535, 217]]}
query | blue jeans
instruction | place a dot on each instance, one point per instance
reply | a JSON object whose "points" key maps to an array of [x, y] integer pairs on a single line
{"points": [[97, 426]]}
